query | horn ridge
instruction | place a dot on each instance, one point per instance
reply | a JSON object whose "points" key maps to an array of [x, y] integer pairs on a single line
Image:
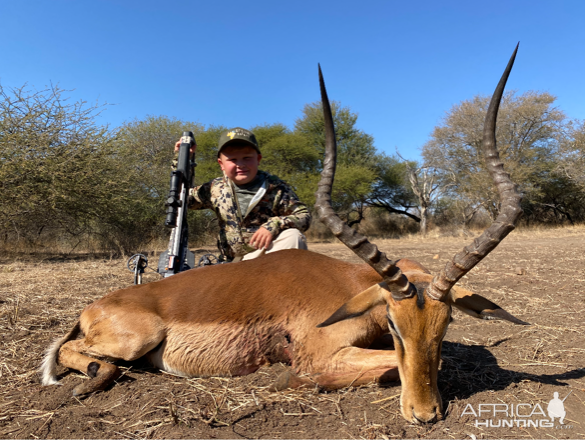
{"points": [[510, 199], [359, 244]]}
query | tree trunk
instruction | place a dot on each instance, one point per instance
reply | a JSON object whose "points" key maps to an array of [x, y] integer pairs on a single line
{"points": [[423, 221]]}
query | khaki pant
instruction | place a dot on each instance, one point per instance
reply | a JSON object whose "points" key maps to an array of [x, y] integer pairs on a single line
{"points": [[290, 238]]}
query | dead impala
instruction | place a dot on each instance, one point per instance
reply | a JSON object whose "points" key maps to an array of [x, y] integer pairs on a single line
{"points": [[316, 313]]}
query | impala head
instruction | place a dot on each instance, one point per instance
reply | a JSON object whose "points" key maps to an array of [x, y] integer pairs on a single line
{"points": [[419, 305]]}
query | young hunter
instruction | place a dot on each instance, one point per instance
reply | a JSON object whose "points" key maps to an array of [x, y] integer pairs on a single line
{"points": [[257, 212]]}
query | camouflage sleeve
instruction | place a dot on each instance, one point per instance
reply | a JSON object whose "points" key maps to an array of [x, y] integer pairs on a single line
{"points": [[290, 212], [200, 197]]}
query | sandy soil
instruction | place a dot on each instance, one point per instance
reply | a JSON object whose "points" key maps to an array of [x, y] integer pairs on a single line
{"points": [[537, 276]]}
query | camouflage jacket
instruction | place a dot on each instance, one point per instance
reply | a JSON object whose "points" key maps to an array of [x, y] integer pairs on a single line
{"points": [[277, 209]]}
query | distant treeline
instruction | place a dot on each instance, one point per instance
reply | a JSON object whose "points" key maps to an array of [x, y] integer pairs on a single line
{"points": [[70, 183]]}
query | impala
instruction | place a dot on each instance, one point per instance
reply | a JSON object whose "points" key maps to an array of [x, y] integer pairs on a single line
{"points": [[318, 314]]}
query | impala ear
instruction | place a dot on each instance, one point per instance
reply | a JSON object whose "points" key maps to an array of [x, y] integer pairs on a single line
{"points": [[479, 307], [359, 304]]}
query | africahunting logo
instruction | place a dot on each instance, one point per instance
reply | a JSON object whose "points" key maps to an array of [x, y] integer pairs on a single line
{"points": [[520, 415]]}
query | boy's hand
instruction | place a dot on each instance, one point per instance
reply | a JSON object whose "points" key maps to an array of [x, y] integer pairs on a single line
{"points": [[261, 238], [178, 144]]}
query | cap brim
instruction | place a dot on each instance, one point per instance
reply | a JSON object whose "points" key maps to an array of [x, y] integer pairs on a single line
{"points": [[238, 141]]}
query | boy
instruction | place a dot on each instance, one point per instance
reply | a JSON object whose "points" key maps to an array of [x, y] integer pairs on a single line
{"points": [[257, 212]]}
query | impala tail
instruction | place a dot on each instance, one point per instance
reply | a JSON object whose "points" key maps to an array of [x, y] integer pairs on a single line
{"points": [[48, 368]]}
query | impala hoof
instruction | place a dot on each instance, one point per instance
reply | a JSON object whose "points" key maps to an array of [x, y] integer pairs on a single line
{"points": [[102, 375], [289, 380], [80, 389]]}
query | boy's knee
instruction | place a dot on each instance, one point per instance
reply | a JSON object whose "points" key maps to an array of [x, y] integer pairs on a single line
{"points": [[286, 240], [290, 239]]}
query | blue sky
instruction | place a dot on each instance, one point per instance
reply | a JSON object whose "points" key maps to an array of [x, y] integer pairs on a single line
{"points": [[400, 65]]}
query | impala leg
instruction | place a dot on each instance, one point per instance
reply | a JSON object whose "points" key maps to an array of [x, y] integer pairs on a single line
{"points": [[333, 381], [354, 366], [349, 367], [109, 333], [102, 374]]}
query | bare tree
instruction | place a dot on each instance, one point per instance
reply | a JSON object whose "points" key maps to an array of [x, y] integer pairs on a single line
{"points": [[423, 185], [572, 153], [426, 184]]}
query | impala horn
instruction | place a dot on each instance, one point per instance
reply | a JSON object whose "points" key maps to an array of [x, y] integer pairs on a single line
{"points": [[397, 282], [510, 199]]}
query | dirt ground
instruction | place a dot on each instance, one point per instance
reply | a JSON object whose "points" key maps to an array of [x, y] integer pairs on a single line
{"points": [[538, 276]]}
